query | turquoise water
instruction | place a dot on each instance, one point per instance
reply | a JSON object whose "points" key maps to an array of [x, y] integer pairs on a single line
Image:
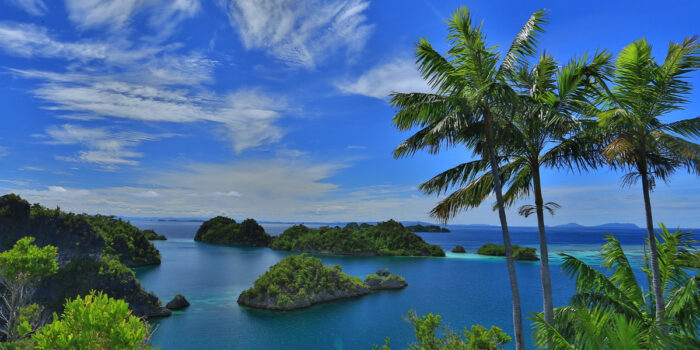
{"points": [[465, 289]]}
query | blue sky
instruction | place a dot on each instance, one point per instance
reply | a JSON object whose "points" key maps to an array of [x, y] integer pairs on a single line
{"points": [[275, 109]]}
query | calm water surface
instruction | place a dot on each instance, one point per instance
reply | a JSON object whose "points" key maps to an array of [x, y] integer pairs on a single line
{"points": [[465, 289]]}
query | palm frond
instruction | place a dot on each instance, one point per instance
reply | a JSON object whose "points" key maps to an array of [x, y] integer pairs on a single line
{"points": [[525, 43]]}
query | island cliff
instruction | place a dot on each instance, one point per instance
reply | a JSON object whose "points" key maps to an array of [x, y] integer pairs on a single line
{"points": [[223, 230], [386, 238], [299, 281], [93, 254]]}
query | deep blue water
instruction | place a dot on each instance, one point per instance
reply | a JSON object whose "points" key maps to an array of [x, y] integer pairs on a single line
{"points": [[465, 289]]}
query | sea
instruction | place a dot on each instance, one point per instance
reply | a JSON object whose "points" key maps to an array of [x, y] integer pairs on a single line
{"points": [[464, 289]]}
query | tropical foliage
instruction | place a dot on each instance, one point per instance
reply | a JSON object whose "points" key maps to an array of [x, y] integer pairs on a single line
{"points": [[95, 321], [426, 228], [223, 230], [21, 268], [385, 238], [298, 279], [472, 96], [519, 253], [428, 327], [638, 141], [614, 311]]}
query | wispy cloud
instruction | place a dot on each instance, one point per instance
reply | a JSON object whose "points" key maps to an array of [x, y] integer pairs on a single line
{"points": [[301, 33], [3, 151], [117, 14], [249, 115], [32, 7], [399, 75], [103, 146]]}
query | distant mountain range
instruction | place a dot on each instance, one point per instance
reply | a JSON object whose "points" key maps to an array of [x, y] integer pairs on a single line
{"points": [[572, 225], [613, 225]]}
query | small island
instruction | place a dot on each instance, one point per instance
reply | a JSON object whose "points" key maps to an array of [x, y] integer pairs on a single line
{"points": [[151, 235], [388, 238], [429, 228], [299, 281], [382, 279], [223, 230], [458, 249], [519, 253]]}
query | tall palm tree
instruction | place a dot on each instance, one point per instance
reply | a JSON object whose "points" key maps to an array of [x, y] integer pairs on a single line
{"points": [[612, 311], [543, 130], [471, 87], [643, 91]]}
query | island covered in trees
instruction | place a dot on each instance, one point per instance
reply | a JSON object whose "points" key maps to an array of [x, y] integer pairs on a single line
{"points": [[300, 281], [428, 228], [223, 230], [519, 253], [386, 238], [94, 252]]}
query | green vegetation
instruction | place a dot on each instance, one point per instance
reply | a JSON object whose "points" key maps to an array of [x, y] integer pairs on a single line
{"points": [[125, 241], [94, 322], [151, 235], [636, 139], [429, 228], [74, 234], [519, 253], [427, 329], [93, 251], [613, 311], [299, 281], [21, 268], [385, 238], [472, 94], [222, 230]]}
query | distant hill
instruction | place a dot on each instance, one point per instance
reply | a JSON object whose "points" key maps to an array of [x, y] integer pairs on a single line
{"points": [[613, 225]]}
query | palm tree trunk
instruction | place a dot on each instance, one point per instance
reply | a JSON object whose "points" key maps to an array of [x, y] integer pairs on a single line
{"points": [[653, 254], [493, 160], [547, 304]]}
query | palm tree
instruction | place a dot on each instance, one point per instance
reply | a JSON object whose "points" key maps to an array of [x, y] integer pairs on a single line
{"points": [[471, 87], [542, 131], [612, 311], [643, 91]]}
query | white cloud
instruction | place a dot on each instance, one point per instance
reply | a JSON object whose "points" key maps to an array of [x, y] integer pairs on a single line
{"points": [[228, 194], [303, 32], [56, 192], [32, 7], [15, 182], [399, 75], [103, 147], [31, 168], [117, 14], [148, 194]]}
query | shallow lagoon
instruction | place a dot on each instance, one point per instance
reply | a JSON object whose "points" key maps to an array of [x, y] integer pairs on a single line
{"points": [[464, 288]]}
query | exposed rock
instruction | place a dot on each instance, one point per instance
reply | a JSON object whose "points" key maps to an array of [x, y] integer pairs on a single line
{"points": [[383, 272], [178, 302], [271, 303], [458, 249], [159, 312], [376, 282]]}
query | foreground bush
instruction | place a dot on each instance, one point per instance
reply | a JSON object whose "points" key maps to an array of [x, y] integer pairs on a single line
{"points": [[426, 329], [95, 322], [21, 268], [613, 311]]}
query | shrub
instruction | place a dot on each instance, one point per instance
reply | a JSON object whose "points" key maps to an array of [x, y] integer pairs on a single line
{"points": [[94, 322]]}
